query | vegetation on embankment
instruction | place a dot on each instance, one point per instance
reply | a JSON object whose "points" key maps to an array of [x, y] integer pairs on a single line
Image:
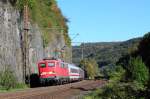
{"points": [[49, 18], [131, 78], [8, 81]]}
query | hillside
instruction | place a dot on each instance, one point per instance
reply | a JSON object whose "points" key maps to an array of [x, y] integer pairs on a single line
{"points": [[49, 18], [105, 53]]}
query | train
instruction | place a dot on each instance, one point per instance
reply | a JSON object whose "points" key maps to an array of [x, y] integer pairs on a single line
{"points": [[56, 71]]}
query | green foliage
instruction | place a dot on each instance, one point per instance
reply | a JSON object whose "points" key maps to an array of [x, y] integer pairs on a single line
{"points": [[91, 67], [82, 63], [144, 49], [21, 86], [21, 3], [117, 75], [136, 67], [144, 52], [49, 18], [107, 71], [46, 39], [46, 14], [116, 91], [113, 89], [113, 72], [138, 71], [132, 84], [7, 79], [105, 53], [67, 39]]}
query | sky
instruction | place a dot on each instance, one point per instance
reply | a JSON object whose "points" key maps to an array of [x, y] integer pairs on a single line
{"points": [[106, 20]]}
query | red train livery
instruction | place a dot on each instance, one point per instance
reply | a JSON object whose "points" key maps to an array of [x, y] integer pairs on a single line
{"points": [[55, 70]]}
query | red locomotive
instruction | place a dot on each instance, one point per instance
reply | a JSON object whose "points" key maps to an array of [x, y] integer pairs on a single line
{"points": [[55, 70]]}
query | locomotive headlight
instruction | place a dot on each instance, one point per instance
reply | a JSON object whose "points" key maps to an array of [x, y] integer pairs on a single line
{"points": [[52, 72], [43, 73]]}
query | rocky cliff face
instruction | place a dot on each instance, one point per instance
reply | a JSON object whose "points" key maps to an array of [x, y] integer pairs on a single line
{"points": [[10, 44], [11, 32]]}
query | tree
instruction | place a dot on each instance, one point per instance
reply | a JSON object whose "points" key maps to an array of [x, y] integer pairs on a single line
{"points": [[144, 52], [144, 49], [138, 71], [82, 63], [91, 67]]}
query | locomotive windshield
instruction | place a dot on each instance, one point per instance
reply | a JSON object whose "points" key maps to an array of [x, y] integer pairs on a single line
{"points": [[51, 64], [43, 65]]}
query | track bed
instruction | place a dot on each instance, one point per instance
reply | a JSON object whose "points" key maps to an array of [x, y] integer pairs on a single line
{"points": [[67, 91]]}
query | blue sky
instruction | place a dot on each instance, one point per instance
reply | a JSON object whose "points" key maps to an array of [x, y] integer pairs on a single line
{"points": [[106, 20]]}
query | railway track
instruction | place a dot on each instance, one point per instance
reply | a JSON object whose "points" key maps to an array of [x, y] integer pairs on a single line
{"points": [[66, 91]]}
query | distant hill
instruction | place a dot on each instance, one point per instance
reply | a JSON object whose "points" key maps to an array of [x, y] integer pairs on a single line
{"points": [[105, 53]]}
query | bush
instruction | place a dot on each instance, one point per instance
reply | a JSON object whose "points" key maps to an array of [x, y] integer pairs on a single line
{"points": [[117, 91], [7, 80], [120, 91], [113, 73]]}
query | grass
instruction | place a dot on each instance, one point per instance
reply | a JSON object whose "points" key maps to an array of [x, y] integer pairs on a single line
{"points": [[18, 87], [8, 81]]}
